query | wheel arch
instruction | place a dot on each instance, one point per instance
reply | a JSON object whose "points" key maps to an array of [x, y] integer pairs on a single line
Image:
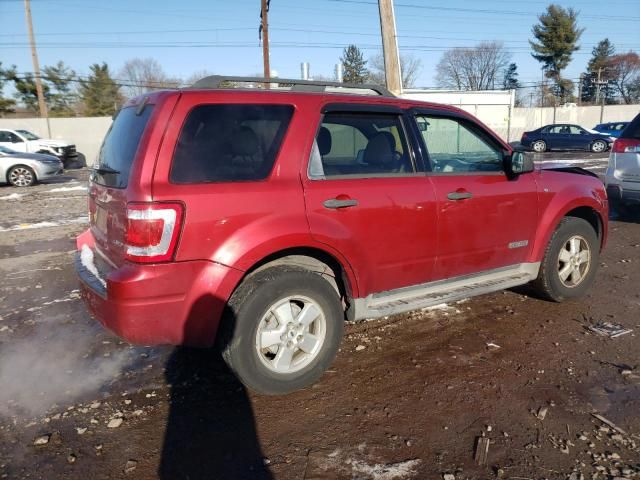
{"points": [[586, 212], [336, 272]]}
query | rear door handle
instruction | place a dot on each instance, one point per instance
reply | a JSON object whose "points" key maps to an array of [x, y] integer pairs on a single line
{"points": [[459, 195], [337, 203]]}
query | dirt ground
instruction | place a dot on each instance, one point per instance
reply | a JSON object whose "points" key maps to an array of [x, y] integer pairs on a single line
{"points": [[408, 397]]}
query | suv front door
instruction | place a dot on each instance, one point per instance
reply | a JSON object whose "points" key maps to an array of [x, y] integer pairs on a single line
{"points": [[366, 197], [485, 220]]}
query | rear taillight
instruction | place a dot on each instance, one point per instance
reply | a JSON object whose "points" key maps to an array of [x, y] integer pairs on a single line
{"points": [[626, 145], [152, 231]]}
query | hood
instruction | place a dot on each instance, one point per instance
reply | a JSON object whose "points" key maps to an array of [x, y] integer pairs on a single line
{"points": [[51, 143], [567, 168], [32, 156]]}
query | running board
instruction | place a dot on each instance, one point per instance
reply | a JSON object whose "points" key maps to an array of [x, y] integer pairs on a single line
{"points": [[434, 293]]}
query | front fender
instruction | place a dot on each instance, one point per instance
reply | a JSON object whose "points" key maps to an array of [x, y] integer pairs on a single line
{"points": [[560, 193]]}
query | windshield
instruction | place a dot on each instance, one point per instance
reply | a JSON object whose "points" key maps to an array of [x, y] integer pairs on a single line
{"points": [[28, 135], [7, 151]]}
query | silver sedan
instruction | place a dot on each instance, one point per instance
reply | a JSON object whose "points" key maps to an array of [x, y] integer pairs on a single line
{"points": [[24, 169]]}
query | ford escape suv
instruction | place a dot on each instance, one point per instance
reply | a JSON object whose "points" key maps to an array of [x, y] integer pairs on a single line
{"points": [[261, 218]]}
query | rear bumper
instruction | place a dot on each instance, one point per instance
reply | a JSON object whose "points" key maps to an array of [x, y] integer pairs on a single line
{"points": [[179, 303]]}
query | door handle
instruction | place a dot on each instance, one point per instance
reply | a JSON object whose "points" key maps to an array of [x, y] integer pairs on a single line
{"points": [[459, 195], [338, 203]]}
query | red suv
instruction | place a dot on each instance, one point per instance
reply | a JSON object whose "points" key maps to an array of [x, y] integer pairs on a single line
{"points": [[264, 218]]}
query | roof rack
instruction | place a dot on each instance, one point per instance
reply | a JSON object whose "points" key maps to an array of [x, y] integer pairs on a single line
{"points": [[221, 81]]}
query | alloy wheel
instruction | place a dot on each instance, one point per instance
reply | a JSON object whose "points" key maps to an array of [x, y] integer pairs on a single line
{"points": [[574, 261], [21, 177], [290, 334]]}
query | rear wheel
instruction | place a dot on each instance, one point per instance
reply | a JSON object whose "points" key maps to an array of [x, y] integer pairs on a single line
{"points": [[282, 329], [570, 261], [21, 176], [598, 146], [539, 146]]}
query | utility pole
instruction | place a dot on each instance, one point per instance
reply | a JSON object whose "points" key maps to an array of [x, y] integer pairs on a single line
{"points": [[390, 47], [264, 29], [36, 66]]}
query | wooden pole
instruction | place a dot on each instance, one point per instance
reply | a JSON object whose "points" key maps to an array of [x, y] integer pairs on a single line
{"points": [[42, 106], [390, 47], [265, 42]]}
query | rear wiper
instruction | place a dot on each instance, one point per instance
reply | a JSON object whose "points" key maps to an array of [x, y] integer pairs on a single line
{"points": [[105, 170]]}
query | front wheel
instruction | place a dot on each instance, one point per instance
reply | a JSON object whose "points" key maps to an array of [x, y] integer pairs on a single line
{"points": [[598, 146], [570, 261], [21, 176], [282, 329], [539, 146]]}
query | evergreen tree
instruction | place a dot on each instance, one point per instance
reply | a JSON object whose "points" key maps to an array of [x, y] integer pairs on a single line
{"points": [[600, 60], [6, 104], [355, 66], [60, 79], [26, 91], [557, 36], [99, 92], [510, 80]]}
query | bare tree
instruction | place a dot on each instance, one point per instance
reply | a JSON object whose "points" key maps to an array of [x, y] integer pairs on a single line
{"points": [[142, 75], [626, 72], [475, 68], [199, 75], [410, 67]]}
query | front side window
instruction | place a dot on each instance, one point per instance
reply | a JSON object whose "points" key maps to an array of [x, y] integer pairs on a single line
{"points": [[574, 130], [360, 144], [229, 142], [455, 146]]}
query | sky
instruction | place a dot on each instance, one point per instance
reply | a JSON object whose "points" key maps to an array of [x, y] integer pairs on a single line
{"points": [[221, 37]]}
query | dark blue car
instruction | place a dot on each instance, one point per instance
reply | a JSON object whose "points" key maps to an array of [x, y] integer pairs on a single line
{"points": [[565, 137], [613, 128]]}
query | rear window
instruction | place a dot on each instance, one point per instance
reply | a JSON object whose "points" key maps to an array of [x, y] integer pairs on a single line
{"points": [[229, 143], [119, 147]]}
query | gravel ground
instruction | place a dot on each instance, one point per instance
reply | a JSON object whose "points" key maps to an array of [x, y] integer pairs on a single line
{"points": [[413, 396]]}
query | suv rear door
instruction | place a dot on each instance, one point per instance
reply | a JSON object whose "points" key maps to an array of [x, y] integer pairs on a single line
{"points": [[485, 220], [367, 198]]}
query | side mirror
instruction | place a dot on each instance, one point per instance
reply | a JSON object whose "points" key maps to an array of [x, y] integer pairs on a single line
{"points": [[518, 163]]}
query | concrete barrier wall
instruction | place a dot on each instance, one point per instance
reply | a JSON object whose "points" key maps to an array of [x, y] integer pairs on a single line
{"points": [[87, 133]]}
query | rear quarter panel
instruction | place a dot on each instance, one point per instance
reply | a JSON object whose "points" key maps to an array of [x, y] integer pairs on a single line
{"points": [[560, 193]]}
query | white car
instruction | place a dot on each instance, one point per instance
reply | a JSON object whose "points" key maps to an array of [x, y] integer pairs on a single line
{"points": [[27, 142]]}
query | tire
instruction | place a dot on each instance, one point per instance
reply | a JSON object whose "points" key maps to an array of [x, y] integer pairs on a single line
{"points": [[552, 283], [539, 146], [21, 176], [250, 325], [599, 146]]}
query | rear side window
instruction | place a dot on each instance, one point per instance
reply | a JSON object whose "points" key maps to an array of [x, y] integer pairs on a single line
{"points": [[632, 130], [228, 143], [120, 146]]}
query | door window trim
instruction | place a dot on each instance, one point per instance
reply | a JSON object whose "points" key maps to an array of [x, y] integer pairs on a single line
{"points": [[364, 109], [460, 118]]}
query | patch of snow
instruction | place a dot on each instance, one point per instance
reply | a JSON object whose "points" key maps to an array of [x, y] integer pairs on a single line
{"points": [[60, 223], [13, 196], [74, 295], [440, 306], [67, 189], [86, 257], [389, 471]]}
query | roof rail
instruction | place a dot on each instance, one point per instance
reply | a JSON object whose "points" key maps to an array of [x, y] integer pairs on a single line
{"points": [[221, 81]]}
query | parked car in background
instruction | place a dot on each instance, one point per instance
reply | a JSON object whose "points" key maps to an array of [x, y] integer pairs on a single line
{"points": [[565, 137], [28, 142], [613, 129], [24, 169], [623, 173], [264, 218]]}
